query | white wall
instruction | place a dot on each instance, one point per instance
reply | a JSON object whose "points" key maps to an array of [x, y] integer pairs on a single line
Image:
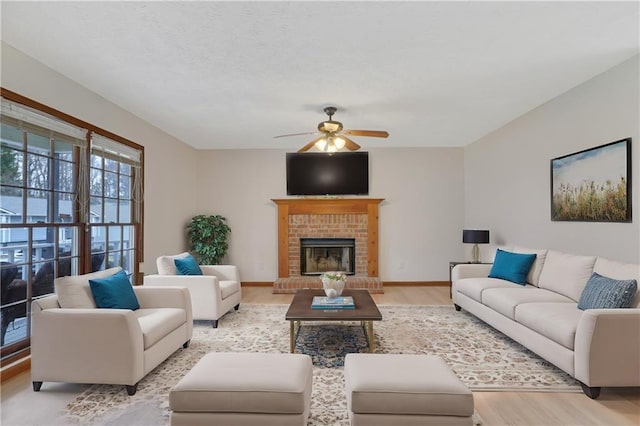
{"points": [[507, 173], [239, 185], [420, 219], [170, 176]]}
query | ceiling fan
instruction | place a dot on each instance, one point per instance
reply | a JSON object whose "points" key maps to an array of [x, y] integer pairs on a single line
{"points": [[333, 137]]}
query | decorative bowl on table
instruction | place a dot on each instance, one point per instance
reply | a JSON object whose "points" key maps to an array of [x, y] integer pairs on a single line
{"points": [[333, 283]]}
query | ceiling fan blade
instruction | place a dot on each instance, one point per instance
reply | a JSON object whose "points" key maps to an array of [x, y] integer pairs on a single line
{"points": [[349, 144], [295, 134], [372, 133], [310, 145]]}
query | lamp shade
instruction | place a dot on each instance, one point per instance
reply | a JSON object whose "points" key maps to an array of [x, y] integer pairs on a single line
{"points": [[475, 236]]}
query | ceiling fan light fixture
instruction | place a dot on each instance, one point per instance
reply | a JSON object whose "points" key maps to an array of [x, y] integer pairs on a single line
{"points": [[333, 137], [330, 126], [321, 144]]}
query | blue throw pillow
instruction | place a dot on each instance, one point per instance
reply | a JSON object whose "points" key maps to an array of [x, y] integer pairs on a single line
{"points": [[606, 293], [187, 266], [114, 292], [512, 267]]}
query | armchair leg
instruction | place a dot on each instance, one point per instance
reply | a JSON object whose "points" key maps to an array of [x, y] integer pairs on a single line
{"points": [[186, 344], [214, 323], [457, 307], [37, 386], [237, 307], [131, 389], [591, 392]]}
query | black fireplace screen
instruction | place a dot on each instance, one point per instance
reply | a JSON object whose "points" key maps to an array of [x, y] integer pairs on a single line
{"points": [[319, 255]]}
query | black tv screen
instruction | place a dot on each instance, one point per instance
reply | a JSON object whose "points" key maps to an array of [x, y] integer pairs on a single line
{"points": [[320, 173]]}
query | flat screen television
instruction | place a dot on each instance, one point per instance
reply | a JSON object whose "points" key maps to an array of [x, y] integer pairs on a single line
{"points": [[320, 173]]}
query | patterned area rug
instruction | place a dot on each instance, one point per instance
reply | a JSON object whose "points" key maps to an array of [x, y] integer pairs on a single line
{"points": [[483, 358]]}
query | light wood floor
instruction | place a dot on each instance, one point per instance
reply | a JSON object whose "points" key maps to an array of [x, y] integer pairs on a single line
{"points": [[614, 407]]}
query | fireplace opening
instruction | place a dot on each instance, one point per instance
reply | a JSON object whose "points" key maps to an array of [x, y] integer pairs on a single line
{"points": [[319, 255]]}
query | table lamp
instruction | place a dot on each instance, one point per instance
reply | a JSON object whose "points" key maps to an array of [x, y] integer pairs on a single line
{"points": [[475, 237]]}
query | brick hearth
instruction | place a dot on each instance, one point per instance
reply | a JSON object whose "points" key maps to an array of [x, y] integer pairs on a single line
{"points": [[291, 284], [327, 218]]}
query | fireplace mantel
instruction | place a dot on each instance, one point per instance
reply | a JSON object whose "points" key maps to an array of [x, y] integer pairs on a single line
{"points": [[320, 206]]}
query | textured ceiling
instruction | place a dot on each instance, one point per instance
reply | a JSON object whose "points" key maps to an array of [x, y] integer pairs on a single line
{"points": [[235, 74]]}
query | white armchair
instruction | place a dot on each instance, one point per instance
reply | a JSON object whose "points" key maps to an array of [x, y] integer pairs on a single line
{"points": [[213, 294], [73, 341]]}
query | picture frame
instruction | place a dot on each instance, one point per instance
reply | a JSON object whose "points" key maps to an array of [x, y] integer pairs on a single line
{"points": [[593, 185]]}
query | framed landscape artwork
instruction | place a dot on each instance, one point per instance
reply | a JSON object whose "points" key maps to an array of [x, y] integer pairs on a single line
{"points": [[593, 185]]}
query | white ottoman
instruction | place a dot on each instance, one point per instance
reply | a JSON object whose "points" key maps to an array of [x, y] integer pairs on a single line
{"points": [[386, 389], [244, 389]]}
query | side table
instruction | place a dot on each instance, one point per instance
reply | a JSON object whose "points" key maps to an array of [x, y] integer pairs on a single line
{"points": [[454, 263]]}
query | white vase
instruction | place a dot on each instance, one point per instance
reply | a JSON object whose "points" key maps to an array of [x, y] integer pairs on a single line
{"points": [[332, 288]]}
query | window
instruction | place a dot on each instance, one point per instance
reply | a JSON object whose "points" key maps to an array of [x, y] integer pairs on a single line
{"points": [[70, 203], [114, 190]]}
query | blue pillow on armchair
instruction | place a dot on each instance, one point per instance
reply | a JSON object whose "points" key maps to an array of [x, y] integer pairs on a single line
{"points": [[114, 292], [512, 267], [187, 266]]}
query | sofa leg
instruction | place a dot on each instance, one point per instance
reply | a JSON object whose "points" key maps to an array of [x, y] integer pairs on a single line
{"points": [[457, 307], [591, 392], [237, 307], [131, 389], [37, 386], [186, 344], [214, 323]]}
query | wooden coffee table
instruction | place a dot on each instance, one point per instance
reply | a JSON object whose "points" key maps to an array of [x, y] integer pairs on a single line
{"points": [[365, 311]]}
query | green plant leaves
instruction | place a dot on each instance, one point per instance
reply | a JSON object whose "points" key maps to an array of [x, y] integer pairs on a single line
{"points": [[208, 238]]}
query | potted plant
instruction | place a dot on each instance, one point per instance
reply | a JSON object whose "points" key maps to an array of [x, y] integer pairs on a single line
{"points": [[208, 238]]}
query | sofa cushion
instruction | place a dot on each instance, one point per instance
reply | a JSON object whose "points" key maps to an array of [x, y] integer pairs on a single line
{"points": [[566, 274], [166, 264], [506, 300], [156, 323], [512, 267], [619, 271], [534, 273], [473, 287], [607, 293], [114, 292], [555, 321], [187, 266], [227, 288], [74, 291]]}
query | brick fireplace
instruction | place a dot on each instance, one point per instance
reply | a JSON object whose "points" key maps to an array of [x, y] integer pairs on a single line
{"points": [[338, 218]]}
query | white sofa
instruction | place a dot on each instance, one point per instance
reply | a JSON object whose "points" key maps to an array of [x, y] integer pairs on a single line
{"points": [[599, 347], [213, 294], [74, 341]]}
